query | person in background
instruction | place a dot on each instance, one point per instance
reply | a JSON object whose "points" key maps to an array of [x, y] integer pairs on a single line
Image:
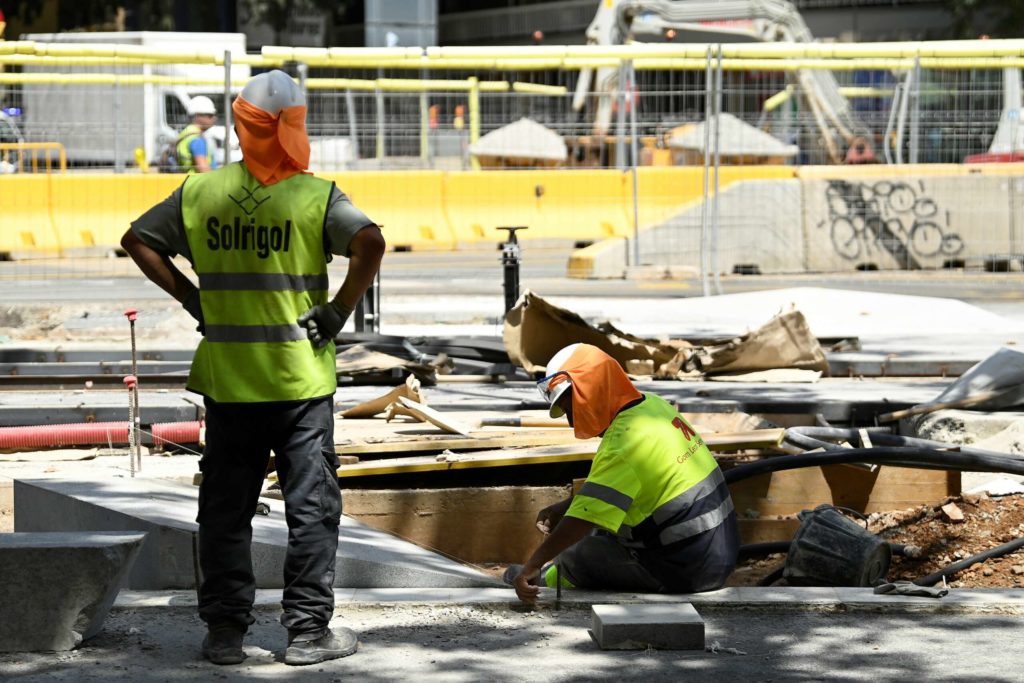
{"points": [[192, 151], [654, 514], [259, 234]]}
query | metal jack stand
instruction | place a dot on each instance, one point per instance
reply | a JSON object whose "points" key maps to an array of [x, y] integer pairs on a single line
{"points": [[135, 443], [367, 313], [510, 253]]}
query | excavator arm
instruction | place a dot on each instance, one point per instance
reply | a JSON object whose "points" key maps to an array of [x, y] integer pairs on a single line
{"points": [[617, 21]]}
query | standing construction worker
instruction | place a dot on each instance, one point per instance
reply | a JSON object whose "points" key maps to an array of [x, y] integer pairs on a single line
{"points": [[192, 152], [259, 234], [654, 514]]}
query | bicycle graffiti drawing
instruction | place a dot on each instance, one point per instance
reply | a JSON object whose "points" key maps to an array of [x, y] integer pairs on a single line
{"points": [[886, 216]]}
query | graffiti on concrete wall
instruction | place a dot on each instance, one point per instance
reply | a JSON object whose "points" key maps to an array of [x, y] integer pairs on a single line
{"points": [[884, 216]]}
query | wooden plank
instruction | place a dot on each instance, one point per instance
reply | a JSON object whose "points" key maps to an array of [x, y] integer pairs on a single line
{"points": [[507, 457], [888, 488], [440, 442], [758, 438]]}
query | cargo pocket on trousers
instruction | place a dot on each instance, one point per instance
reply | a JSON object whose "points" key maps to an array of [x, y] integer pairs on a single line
{"points": [[330, 492]]}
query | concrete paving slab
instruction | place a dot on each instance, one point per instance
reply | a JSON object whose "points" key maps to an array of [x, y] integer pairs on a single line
{"points": [[639, 627], [58, 587], [367, 558]]}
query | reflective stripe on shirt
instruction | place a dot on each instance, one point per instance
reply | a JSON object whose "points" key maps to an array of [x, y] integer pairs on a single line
{"points": [[606, 494], [269, 282], [697, 525], [255, 333], [683, 502]]}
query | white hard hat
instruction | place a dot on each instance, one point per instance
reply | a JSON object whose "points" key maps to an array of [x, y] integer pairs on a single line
{"points": [[273, 91], [555, 368], [201, 104]]}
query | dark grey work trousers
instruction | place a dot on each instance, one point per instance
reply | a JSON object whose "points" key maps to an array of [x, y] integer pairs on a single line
{"points": [[239, 440], [600, 562]]}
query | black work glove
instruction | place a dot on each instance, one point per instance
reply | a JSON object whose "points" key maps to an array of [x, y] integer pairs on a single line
{"points": [[195, 309], [324, 322]]}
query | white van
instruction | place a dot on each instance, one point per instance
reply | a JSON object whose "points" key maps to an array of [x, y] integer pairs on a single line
{"points": [[103, 125]]}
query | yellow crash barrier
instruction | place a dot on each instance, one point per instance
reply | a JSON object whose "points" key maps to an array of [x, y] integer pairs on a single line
{"points": [[91, 212], [408, 205], [479, 202], [26, 219]]}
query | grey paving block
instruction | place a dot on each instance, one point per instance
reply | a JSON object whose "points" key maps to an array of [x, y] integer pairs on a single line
{"points": [[367, 558], [58, 587], [637, 627]]}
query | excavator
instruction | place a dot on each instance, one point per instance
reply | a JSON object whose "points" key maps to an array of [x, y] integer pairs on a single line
{"points": [[618, 21]]}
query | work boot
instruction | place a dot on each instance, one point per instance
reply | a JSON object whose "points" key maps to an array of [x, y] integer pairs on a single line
{"points": [[309, 649], [223, 645]]}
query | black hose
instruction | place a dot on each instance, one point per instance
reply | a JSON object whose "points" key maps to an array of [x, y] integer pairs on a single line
{"points": [[769, 579], [774, 547], [956, 567], [761, 549], [900, 457], [815, 437]]}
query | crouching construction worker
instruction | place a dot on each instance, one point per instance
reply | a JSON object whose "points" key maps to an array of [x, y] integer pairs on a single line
{"points": [[654, 514], [259, 234]]}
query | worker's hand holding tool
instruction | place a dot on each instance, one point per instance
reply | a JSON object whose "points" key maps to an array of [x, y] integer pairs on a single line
{"points": [[549, 517], [195, 309], [324, 322], [525, 590]]}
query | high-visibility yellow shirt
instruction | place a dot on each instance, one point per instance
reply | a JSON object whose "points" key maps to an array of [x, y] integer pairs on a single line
{"points": [[653, 480]]}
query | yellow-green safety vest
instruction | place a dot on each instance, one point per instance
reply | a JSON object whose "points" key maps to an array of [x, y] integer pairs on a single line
{"points": [[182, 153], [259, 254]]}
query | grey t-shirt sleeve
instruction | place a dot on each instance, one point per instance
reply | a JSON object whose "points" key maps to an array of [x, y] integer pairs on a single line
{"points": [[162, 228], [342, 222]]}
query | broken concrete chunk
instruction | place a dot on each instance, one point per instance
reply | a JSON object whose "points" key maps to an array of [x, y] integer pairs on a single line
{"points": [[58, 587], [952, 512]]}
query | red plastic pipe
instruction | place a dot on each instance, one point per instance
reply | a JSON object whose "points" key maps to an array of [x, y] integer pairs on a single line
{"points": [[93, 434]]}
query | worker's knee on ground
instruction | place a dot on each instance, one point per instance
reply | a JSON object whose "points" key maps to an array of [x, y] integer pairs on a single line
{"points": [[552, 578]]}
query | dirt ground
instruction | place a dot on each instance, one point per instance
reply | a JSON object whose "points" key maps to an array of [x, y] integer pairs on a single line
{"points": [[987, 523]]}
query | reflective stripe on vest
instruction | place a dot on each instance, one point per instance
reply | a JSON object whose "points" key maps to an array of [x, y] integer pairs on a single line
{"points": [[259, 255]]}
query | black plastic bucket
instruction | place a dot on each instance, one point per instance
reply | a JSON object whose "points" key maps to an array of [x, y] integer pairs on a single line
{"points": [[830, 549]]}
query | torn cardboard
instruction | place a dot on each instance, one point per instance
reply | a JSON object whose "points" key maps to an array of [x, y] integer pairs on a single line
{"points": [[435, 418], [785, 341], [535, 330]]}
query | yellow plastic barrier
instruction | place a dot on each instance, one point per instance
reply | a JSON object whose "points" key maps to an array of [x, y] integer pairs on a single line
{"points": [[26, 222], [479, 202], [583, 205], [91, 212], [408, 205]]}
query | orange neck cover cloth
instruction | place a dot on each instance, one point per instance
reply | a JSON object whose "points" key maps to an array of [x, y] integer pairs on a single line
{"points": [[274, 147], [600, 389]]}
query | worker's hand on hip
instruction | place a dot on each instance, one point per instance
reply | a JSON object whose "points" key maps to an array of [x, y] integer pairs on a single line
{"points": [[195, 309], [324, 322], [525, 590]]}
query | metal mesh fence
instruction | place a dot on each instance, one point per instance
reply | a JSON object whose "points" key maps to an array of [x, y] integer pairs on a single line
{"points": [[812, 169]]}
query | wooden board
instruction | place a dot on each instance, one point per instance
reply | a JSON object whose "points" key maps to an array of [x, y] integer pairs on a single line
{"points": [[559, 453], [523, 438]]}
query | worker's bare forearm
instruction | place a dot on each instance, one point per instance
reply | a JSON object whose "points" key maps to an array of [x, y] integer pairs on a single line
{"points": [[568, 532], [366, 252], [157, 267]]}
